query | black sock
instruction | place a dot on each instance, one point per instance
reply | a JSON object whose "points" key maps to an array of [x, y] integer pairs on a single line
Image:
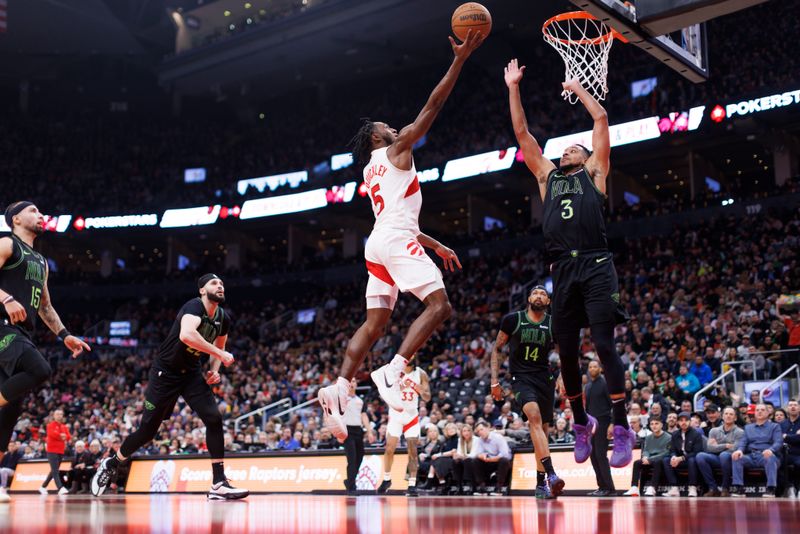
{"points": [[219, 472], [113, 461], [578, 411], [548, 465], [619, 413], [540, 478]]}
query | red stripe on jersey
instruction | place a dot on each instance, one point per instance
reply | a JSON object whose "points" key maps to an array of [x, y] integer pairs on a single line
{"points": [[413, 188], [380, 272], [410, 424]]}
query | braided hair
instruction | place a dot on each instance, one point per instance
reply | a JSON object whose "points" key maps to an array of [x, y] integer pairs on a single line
{"points": [[361, 143]]}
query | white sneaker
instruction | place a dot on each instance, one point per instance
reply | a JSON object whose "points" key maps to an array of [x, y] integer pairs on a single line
{"points": [[43, 491], [4, 497], [103, 478], [650, 491], [333, 407], [388, 387], [633, 492], [673, 492], [692, 491], [63, 491], [223, 491], [791, 493]]}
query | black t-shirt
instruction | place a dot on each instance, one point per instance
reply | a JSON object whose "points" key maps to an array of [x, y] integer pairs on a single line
{"points": [[23, 277], [574, 216], [529, 343], [174, 354]]}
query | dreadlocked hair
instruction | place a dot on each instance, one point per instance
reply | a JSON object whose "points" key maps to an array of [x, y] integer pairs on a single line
{"points": [[361, 143]]}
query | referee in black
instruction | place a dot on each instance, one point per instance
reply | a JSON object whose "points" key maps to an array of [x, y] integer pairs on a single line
{"points": [[201, 328], [529, 333], [356, 420], [598, 405]]}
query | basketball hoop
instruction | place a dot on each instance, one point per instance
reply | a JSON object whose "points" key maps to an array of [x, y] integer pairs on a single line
{"points": [[583, 42]]}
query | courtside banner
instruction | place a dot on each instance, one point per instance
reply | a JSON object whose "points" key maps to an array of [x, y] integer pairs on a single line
{"points": [[261, 474], [30, 475], [577, 476]]}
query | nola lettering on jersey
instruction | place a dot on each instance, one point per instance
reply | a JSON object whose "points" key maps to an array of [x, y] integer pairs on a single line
{"points": [[376, 170]]}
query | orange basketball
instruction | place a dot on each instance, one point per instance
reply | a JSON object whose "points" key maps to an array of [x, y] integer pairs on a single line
{"points": [[471, 15]]}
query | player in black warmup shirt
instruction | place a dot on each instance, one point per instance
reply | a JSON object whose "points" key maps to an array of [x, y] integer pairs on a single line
{"points": [[201, 328], [24, 294], [585, 285], [528, 333]]}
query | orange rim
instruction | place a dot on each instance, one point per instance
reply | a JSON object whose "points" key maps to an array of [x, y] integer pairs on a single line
{"points": [[573, 15]]}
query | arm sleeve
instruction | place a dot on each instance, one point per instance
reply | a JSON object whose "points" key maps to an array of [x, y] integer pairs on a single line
{"points": [[509, 324], [503, 450], [715, 448], [777, 440], [743, 442]]}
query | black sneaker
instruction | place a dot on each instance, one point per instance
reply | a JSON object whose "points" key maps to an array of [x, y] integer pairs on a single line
{"points": [[384, 487], [412, 491], [738, 492], [102, 479], [223, 491], [770, 493]]}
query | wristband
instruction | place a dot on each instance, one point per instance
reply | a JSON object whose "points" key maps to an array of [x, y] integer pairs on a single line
{"points": [[8, 299], [63, 333]]}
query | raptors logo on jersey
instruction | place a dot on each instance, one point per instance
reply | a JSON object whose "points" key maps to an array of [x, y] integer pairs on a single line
{"points": [[395, 194]]}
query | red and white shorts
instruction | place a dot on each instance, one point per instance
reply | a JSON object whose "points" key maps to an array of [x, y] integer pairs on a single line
{"points": [[397, 262], [405, 423]]}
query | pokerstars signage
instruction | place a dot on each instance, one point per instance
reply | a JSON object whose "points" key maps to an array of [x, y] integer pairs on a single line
{"points": [[764, 103]]}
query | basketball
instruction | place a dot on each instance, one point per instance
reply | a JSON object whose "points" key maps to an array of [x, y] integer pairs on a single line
{"points": [[471, 15]]}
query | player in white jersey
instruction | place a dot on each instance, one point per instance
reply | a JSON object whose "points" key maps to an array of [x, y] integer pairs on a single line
{"points": [[395, 252], [414, 383]]}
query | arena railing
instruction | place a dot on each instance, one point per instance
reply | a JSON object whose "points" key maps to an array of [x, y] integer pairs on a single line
{"points": [[713, 384], [795, 368], [263, 411]]}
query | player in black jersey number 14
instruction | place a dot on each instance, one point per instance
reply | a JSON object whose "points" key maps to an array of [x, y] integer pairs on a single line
{"points": [[585, 284], [528, 334]]}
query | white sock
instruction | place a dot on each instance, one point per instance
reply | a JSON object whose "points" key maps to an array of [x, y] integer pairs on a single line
{"points": [[412, 481], [398, 362], [387, 476]]}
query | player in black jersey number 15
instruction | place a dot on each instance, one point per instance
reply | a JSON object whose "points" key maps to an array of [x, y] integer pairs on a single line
{"points": [[585, 284], [24, 295], [528, 334]]}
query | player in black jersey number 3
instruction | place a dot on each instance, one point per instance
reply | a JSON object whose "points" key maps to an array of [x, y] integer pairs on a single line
{"points": [[24, 294], [200, 328], [585, 285], [528, 332]]}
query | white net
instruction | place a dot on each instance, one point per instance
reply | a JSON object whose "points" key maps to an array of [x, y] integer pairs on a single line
{"points": [[583, 43]]}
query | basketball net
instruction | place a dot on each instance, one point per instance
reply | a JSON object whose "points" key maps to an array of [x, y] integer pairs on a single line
{"points": [[583, 43]]}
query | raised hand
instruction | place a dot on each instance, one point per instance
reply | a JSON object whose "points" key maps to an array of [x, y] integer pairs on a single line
{"points": [[470, 44], [513, 73]]}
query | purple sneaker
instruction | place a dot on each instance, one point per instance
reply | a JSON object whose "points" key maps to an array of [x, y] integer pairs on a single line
{"points": [[624, 440], [583, 439]]}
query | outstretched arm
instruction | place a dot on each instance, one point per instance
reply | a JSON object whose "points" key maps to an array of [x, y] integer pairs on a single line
{"points": [[599, 163], [50, 317], [536, 162], [400, 151]]}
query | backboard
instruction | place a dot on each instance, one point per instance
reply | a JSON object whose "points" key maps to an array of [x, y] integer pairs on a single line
{"points": [[672, 31]]}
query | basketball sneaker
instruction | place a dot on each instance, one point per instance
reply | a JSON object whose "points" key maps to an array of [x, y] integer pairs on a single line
{"points": [[102, 479], [4, 495], [334, 402], [384, 487], [223, 491], [387, 378], [543, 492], [412, 491], [624, 441], [556, 484], [583, 439]]}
